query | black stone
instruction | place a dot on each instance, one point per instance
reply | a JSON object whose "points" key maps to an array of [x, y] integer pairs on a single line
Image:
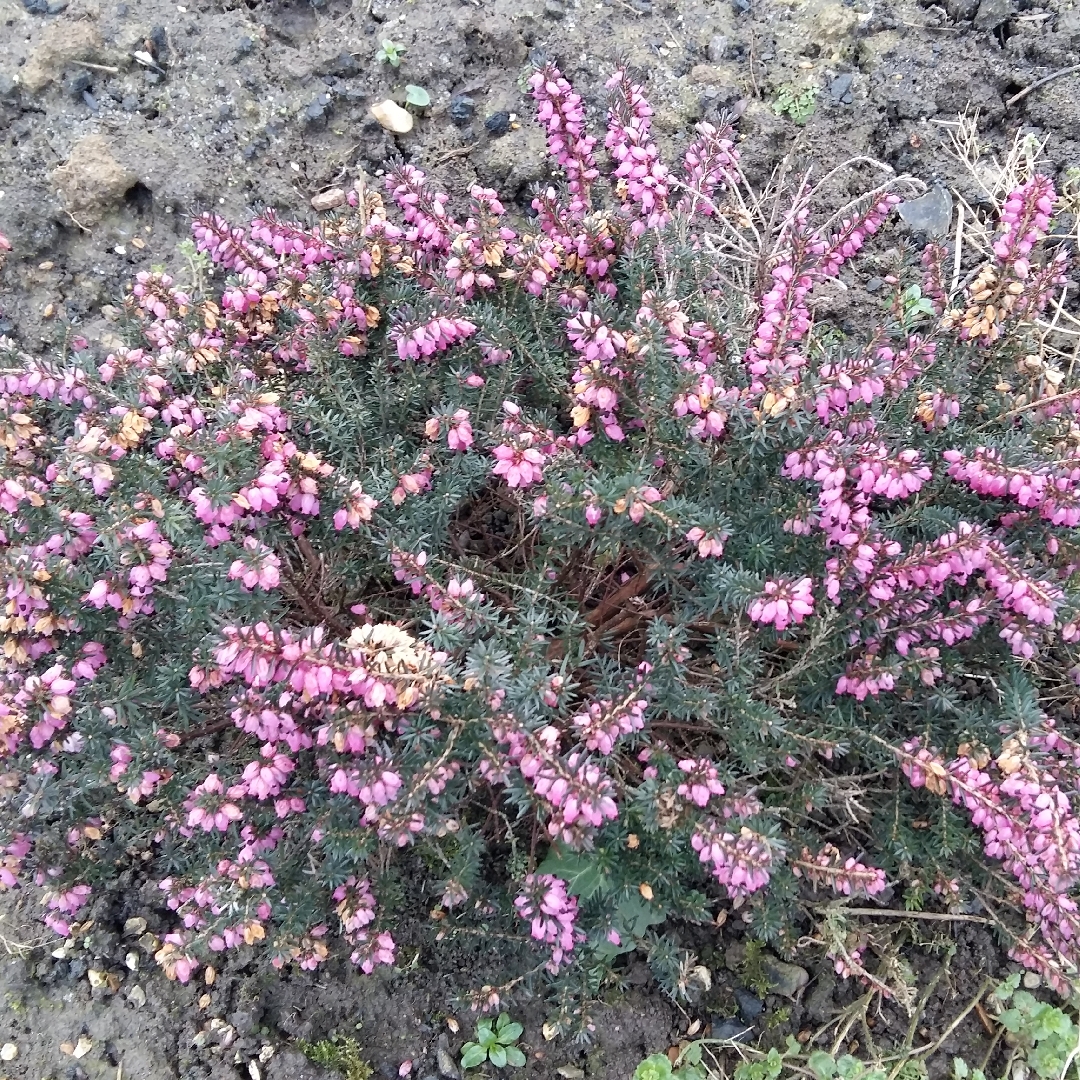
{"points": [[840, 88], [90, 101], [741, 7], [873, 285], [344, 65], [129, 103], [159, 45], [498, 123], [245, 46], [79, 83], [728, 1027], [750, 1006], [462, 109], [36, 7], [152, 77]]}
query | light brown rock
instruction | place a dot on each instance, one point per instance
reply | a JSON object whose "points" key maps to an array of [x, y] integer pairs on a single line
{"points": [[92, 180], [393, 117], [327, 200], [61, 42]]}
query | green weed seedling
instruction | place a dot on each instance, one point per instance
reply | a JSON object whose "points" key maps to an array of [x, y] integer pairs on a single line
{"points": [[494, 1044], [798, 104], [389, 52]]}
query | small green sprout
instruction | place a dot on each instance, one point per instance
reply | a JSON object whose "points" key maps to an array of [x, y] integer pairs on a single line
{"points": [[798, 104], [658, 1067], [494, 1044], [417, 96], [389, 52]]}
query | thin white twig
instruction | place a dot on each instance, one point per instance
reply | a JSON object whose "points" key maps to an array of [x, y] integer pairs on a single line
{"points": [[959, 249]]}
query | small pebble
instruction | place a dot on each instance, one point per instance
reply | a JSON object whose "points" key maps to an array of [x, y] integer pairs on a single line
{"points": [[1031, 981], [327, 200], [9, 1052], [79, 83], [750, 1005], [498, 123], [717, 48], [462, 109]]}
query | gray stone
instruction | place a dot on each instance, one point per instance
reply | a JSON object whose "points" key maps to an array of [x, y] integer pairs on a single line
{"points": [[750, 1005], [930, 213], [787, 980], [717, 48], [730, 1028], [554, 10], [840, 88], [498, 123], [1068, 25], [462, 109], [77, 84], [992, 13], [447, 1066]]}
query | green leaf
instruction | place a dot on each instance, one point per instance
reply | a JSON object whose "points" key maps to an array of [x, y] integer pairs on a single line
{"points": [[472, 1055], [692, 1054], [417, 95], [497, 1056], [515, 1057], [581, 872], [688, 1072], [822, 1065], [655, 1067], [637, 915], [510, 1033]]}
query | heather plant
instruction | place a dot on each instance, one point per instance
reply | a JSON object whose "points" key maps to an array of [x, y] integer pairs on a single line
{"points": [[568, 581]]}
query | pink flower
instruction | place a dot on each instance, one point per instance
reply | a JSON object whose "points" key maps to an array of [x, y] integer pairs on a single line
{"points": [[784, 602], [259, 568]]}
